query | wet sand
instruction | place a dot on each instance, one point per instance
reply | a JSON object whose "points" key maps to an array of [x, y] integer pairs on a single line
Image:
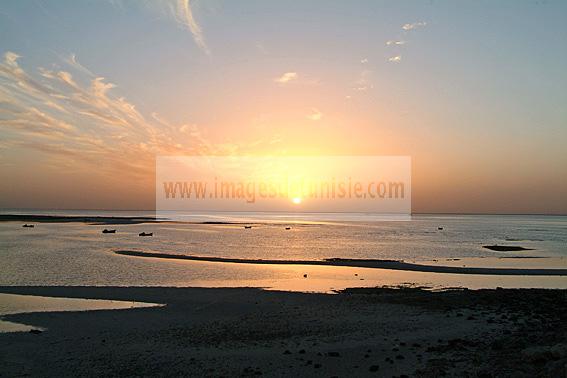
{"points": [[249, 332], [360, 263]]}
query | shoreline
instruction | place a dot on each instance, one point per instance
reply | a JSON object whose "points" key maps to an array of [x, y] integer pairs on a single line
{"points": [[357, 263], [247, 331]]}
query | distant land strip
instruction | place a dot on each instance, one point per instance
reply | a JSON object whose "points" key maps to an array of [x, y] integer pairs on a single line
{"points": [[75, 218], [358, 263], [110, 220]]}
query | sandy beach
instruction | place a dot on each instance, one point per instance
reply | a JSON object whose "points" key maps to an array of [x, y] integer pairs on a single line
{"points": [[251, 332]]}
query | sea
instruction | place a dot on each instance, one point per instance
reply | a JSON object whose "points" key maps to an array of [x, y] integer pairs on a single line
{"points": [[80, 254]]}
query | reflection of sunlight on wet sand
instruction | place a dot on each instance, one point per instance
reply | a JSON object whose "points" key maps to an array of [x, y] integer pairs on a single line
{"points": [[499, 262], [328, 278], [17, 304], [6, 326]]}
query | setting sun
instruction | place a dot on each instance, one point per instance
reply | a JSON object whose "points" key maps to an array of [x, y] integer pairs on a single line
{"points": [[155, 156]]}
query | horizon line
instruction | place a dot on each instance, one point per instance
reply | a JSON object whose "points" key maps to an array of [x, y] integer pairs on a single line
{"points": [[413, 213]]}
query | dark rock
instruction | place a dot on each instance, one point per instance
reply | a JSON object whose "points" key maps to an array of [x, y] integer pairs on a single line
{"points": [[373, 368], [498, 345]]}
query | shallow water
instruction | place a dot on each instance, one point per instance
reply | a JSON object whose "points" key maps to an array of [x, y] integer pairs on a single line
{"points": [[79, 254], [16, 304]]}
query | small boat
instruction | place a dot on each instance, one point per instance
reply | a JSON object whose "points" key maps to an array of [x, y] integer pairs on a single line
{"points": [[146, 234], [288, 228], [105, 231], [28, 225], [440, 228], [247, 226]]}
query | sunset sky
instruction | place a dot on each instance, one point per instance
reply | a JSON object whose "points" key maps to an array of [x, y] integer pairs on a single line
{"points": [[475, 92]]}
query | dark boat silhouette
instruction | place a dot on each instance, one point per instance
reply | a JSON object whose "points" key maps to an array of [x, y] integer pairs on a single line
{"points": [[439, 228], [146, 234], [288, 228], [247, 226], [105, 231], [28, 225]]}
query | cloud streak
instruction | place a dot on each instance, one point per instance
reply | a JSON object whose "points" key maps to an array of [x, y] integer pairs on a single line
{"points": [[286, 78], [184, 15], [414, 25], [180, 11], [72, 61], [315, 115], [399, 42]]}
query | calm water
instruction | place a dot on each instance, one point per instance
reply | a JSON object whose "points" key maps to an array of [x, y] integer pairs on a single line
{"points": [[79, 254]]}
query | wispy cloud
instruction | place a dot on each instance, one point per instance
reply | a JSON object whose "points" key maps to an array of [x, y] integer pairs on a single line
{"points": [[180, 11], [315, 115], [72, 60], [414, 25], [79, 121], [396, 43], [363, 83], [286, 77], [184, 15], [364, 60]]}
